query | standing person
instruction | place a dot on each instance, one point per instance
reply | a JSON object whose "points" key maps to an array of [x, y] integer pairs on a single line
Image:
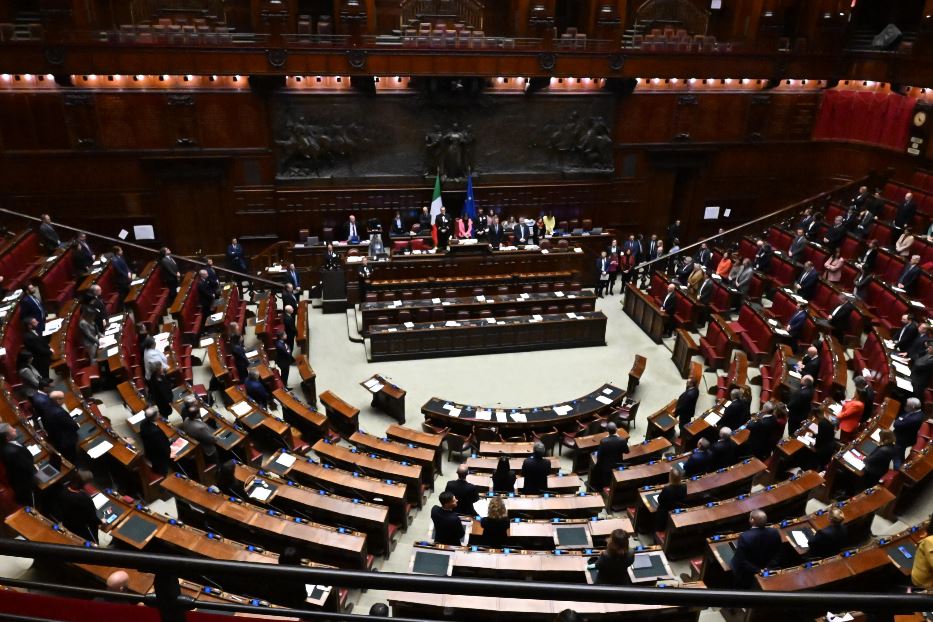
{"points": [[503, 479], [293, 278], [30, 305], [687, 404], [535, 470], [495, 234], [466, 493], [283, 356], [602, 274], [155, 443], [18, 465], [160, 391], [124, 276], [833, 266], [921, 575], [236, 259], [83, 257], [197, 429], [290, 593], [90, 337], [48, 237], [754, 550], [447, 526], [906, 428], [363, 274], [171, 275], [38, 346], [153, 360], [205, 291], [613, 271], [669, 306], [496, 524], [879, 460], [291, 329], [613, 563], [74, 508], [32, 380], [443, 223], [670, 498], [829, 540], [627, 267], [608, 457], [60, 428]]}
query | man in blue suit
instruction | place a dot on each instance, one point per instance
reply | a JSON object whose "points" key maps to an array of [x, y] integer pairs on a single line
{"points": [[795, 326], [906, 427], [256, 390], [806, 284], [31, 306], [292, 276], [700, 461], [124, 274], [754, 550]]}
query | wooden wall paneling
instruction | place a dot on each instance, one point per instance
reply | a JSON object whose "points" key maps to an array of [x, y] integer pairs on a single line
{"points": [[81, 119], [182, 120], [718, 118], [759, 111], [645, 118], [685, 115], [50, 130]]}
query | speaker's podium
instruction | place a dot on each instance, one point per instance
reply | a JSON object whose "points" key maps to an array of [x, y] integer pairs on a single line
{"points": [[333, 291]]}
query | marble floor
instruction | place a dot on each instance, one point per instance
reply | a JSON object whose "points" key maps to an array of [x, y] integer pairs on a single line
{"points": [[519, 379]]}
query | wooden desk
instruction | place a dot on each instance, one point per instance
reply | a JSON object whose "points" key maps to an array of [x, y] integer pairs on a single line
{"points": [[568, 566], [405, 453], [557, 533], [463, 417], [259, 422], [387, 397], [556, 484], [581, 505], [308, 379], [687, 528], [663, 422], [517, 333], [626, 480], [390, 493], [302, 339], [384, 468], [336, 545], [270, 490], [685, 348], [477, 464], [644, 311], [312, 424], [718, 485], [427, 440], [493, 448], [343, 417]]}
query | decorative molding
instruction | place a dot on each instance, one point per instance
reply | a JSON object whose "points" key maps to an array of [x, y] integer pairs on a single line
{"points": [[175, 99], [277, 57], [616, 62], [547, 60], [55, 55], [78, 99], [356, 58], [687, 100]]}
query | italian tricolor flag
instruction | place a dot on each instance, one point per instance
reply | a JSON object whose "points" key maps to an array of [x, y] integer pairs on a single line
{"points": [[436, 204]]}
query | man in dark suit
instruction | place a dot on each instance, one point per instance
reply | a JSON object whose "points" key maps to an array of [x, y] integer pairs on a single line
{"points": [[762, 261], [466, 493], [155, 443], [754, 550], [687, 404], [283, 356], [170, 273], [704, 256], [30, 305], [809, 364], [806, 284], [256, 390], [862, 198], [704, 295], [291, 329], [447, 526], [652, 247], [798, 406], [839, 317], [48, 237], [909, 274], [684, 271], [737, 413], [669, 306], [700, 461], [602, 274], [835, 234], [866, 263], [75, 509], [236, 259], [83, 256], [288, 297], [906, 427], [17, 462], [240, 361], [60, 428], [93, 303], [38, 345], [631, 244], [444, 226], [807, 221], [905, 336], [123, 274], [292, 276], [205, 297], [352, 232], [673, 232], [829, 540], [398, 226], [922, 370], [905, 213], [535, 470], [796, 324], [495, 233], [725, 451], [480, 225], [798, 246], [608, 457], [764, 432]]}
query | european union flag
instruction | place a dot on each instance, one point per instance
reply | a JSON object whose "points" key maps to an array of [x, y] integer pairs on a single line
{"points": [[469, 205]]}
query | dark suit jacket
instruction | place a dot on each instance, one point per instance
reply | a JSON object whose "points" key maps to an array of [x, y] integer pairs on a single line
{"points": [[156, 446], [670, 498], [908, 275], [609, 456], [17, 461], [920, 373], [359, 231], [706, 291], [49, 235], [467, 494], [283, 355], [289, 300], [398, 227], [77, 513], [669, 304], [443, 223], [288, 320], [123, 271], [835, 235], [798, 407], [725, 454], [698, 463], [763, 436], [796, 323], [754, 550], [905, 213], [61, 429], [83, 258], [205, 296], [762, 262], [797, 247], [447, 526], [535, 471], [494, 236], [735, 415], [169, 269], [906, 336], [686, 405], [257, 392], [294, 278], [811, 366], [808, 283], [828, 541], [840, 318], [238, 352], [877, 463], [39, 347], [906, 428], [31, 307], [868, 260]]}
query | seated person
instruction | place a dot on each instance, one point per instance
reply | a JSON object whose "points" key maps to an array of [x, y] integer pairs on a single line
{"points": [[725, 451], [535, 470], [447, 526], [700, 461], [466, 493], [670, 498]]}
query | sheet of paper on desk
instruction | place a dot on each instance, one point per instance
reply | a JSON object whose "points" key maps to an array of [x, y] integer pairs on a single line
{"points": [[112, 329], [285, 460], [901, 368], [138, 417], [436, 301], [642, 561], [782, 332], [577, 249], [834, 617], [607, 391], [501, 417], [252, 354], [76, 412], [525, 296], [137, 282], [571, 315], [448, 407], [602, 399], [451, 323], [100, 500], [562, 410], [369, 383], [391, 330], [113, 351], [409, 324], [853, 460], [396, 303], [481, 299], [807, 440], [903, 383], [491, 320], [35, 450], [519, 417], [216, 317], [241, 408], [713, 418], [484, 414], [178, 446], [99, 450], [867, 373], [800, 539], [794, 374], [536, 318], [899, 359], [890, 344], [107, 341], [260, 493], [559, 294], [835, 408], [918, 304], [376, 388], [876, 435], [203, 412]]}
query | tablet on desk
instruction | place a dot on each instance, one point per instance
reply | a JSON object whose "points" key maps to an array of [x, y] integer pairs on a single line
{"points": [[572, 535], [136, 530], [46, 473], [428, 562]]}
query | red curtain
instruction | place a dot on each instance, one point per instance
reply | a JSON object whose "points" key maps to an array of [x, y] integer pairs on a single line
{"points": [[877, 118]]}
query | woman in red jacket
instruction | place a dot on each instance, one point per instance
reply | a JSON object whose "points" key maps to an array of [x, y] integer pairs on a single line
{"points": [[849, 418]]}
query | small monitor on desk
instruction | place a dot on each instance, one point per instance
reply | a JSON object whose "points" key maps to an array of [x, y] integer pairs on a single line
{"points": [[427, 562], [572, 535]]}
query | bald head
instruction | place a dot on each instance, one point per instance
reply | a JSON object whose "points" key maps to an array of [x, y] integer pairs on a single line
{"points": [[757, 518], [462, 471], [807, 380], [725, 432], [812, 351], [611, 428], [289, 309], [118, 581], [58, 397]]}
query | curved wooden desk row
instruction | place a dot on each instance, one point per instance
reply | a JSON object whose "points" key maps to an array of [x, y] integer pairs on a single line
{"points": [[460, 416], [139, 527], [687, 528], [556, 533], [859, 511]]}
